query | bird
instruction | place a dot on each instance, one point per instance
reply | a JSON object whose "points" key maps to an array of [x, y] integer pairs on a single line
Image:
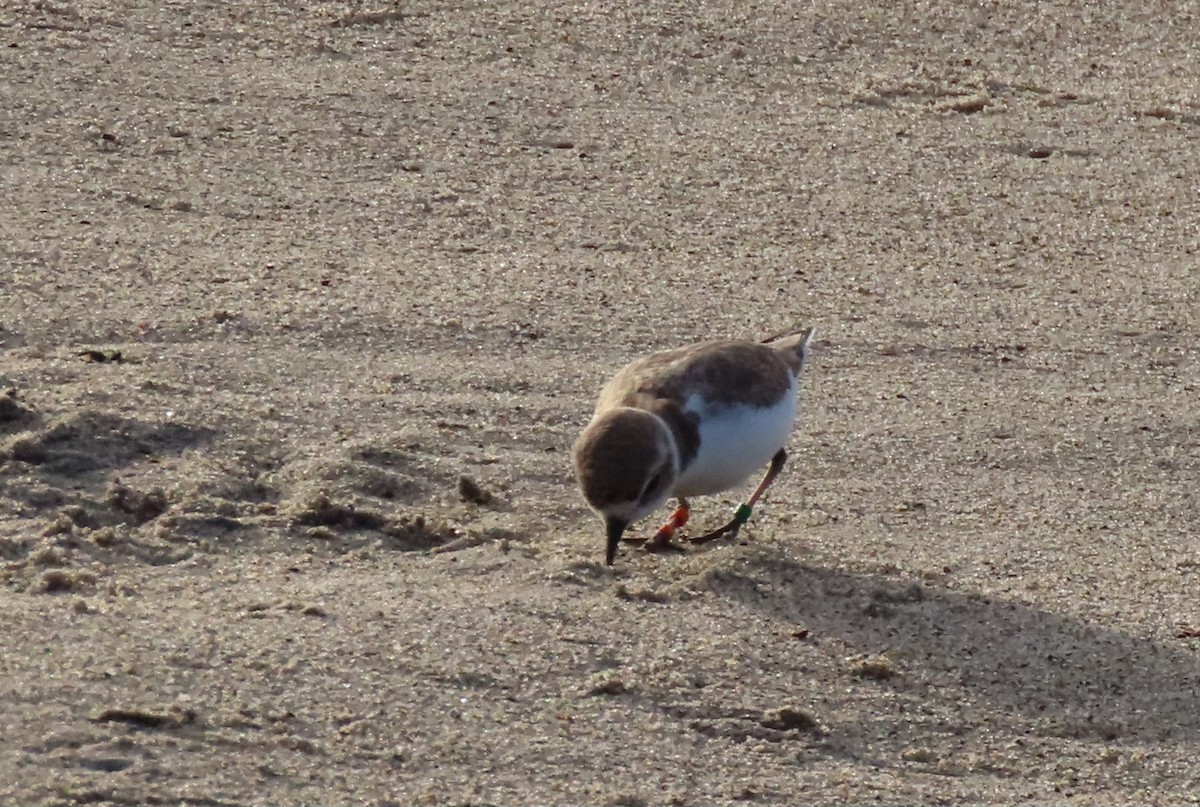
{"points": [[692, 421]]}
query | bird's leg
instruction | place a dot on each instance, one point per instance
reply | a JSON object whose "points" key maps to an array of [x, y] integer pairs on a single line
{"points": [[666, 532], [662, 538], [742, 514]]}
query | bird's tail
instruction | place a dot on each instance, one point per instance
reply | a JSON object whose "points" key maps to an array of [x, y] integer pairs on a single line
{"points": [[795, 345]]}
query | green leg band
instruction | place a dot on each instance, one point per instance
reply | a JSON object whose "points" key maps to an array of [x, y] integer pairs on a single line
{"points": [[742, 514]]}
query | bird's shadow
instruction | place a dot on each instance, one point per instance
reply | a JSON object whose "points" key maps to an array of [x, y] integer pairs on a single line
{"points": [[1059, 675]]}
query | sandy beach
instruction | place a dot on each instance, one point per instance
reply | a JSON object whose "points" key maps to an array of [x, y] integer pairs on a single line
{"points": [[303, 304]]}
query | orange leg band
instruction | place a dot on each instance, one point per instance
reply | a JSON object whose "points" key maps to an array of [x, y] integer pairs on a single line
{"points": [[667, 531]]}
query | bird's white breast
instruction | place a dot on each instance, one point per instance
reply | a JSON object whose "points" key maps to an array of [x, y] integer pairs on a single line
{"points": [[736, 442]]}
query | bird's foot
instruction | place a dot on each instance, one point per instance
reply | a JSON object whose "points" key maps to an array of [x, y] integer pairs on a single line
{"points": [[730, 530], [663, 542], [664, 539], [660, 541]]}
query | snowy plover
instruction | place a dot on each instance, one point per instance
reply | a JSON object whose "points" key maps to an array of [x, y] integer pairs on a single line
{"points": [[689, 422]]}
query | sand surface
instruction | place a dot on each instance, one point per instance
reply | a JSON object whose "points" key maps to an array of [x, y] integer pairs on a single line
{"points": [[275, 276]]}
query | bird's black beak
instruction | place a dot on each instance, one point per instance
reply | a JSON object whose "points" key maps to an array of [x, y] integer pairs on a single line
{"points": [[616, 528]]}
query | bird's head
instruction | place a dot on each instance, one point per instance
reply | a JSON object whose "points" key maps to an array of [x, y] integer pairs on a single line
{"points": [[626, 464]]}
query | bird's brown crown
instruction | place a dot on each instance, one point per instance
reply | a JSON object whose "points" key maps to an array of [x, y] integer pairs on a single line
{"points": [[617, 453]]}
